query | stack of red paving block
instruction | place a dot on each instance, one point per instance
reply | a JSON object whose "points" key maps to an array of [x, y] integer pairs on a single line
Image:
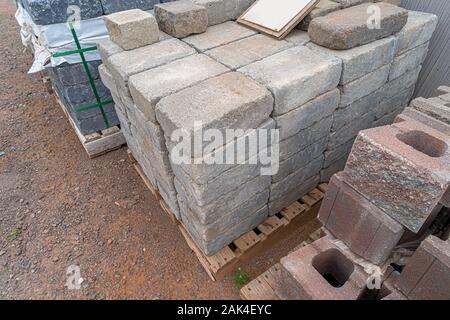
{"points": [[394, 185]]}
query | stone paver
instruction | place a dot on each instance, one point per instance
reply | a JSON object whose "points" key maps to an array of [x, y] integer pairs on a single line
{"points": [[181, 18], [243, 52], [337, 31], [293, 84], [132, 29]]}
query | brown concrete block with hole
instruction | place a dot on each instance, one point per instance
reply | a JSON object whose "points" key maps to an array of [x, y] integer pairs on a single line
{"points": [[365, 229], [404, 169], [320, 271], [427, 274]]}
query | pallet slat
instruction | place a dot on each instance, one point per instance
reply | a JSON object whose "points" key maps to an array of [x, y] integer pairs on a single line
{"points": [[247, 241], [264, 287]]}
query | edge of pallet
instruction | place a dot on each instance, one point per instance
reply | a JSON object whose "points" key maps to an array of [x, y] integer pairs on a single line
{"points": [[284, 228], [262, 288]]}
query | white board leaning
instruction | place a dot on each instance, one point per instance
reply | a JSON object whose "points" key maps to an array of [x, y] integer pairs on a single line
{"points": [[275, 17]]}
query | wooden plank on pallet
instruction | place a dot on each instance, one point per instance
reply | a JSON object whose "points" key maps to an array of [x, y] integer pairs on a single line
{"points": [[262, 288], [293, 211], [317, 194], [167, 210], [201, 258], [271, 225], [248, 240], [272, 275], [105, 144], [308, 200], [323, 187], [221, 259]]}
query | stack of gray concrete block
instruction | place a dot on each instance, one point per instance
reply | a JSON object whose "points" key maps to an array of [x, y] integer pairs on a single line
{"points": [[45, 12], [231, 77], [74, 89], [70, 80], [377, 83]]}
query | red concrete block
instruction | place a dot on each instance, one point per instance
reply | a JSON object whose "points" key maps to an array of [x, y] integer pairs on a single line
{"points": [[320, 271], [404, 169], [410, 114], [427, 274], [365, 229]]}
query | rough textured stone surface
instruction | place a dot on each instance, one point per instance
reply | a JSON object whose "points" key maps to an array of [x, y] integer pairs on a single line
{"points": [[418, 30], [408, 61], [229, 101], [300, 159], [358, 62], [364, 228], [323, 8], [181, 18], [229, 220], [226, 182], [111, 6], [125, 64], [107, 78], [308, 114], [243, 52], [203, 172], [293, 84], [241, 7], [335, 167], [286, 200], [225, 203], [433, 109], [337, 31], [152, 132], [337, 153], [345, 115], [305, 138], [408, 80], [219, 35], [350, 130], [413, 114], [390, 105], [148, 87], [292, 181], [82, 94], [403, 169], [73, 74], [427, 274], [107, 48], [210, 248], [298, 37], [132, 29], [46, 12], [351, 3], [303, 274], [218, 11], [363, 86]]}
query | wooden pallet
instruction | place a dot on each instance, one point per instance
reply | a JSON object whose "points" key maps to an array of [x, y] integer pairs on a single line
{"points": [[263, 287], [299, 217], [98, 143]]}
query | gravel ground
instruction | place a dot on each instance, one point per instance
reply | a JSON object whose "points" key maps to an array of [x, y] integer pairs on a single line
{"points": [[58, 208]]}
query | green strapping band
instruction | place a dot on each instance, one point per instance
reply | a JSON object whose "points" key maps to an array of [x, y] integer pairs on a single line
{"points": [[81, 52], [68, 53]]}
